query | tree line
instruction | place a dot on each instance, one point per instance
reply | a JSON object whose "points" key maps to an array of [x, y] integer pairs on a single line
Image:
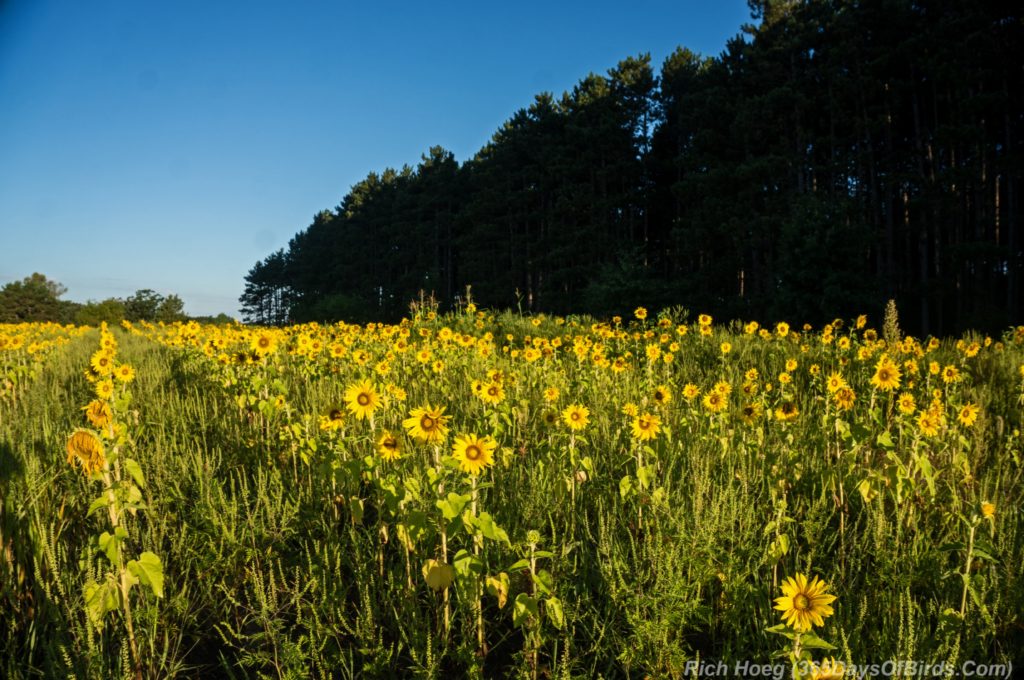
{"points": [[38, 299], [835, 155]]}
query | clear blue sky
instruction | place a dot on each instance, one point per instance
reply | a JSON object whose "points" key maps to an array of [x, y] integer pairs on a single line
{"points": [[172, 145]]}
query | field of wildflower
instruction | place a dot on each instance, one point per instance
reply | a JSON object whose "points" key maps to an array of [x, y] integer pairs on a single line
{"points": [[496, 495]]}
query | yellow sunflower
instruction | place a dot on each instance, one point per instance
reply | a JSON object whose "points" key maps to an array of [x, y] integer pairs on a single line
{"points": [[263, 343], [388, 446], [835, 382], [576, 416], [887, 375], [804, 603], [968, 414], [786, 411], [646, 426], [492, 393], [362, 399], [102, 363], [98, 413], [715, 401], [662, 395], [427, 424], [333, 420], [906, 403], [474, 453]]}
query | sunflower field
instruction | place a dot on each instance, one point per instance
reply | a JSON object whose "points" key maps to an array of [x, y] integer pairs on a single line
{"points": [[495, 495]]}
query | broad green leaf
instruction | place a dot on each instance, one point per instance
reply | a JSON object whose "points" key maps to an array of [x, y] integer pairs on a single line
{"points": [[553, 606], [150, 572], [524, 607], [135, 471]]}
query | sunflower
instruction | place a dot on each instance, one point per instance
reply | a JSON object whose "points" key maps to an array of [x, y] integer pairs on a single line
{"points": [[928, 423], [715, 401], [988, 509], [640, 313], [576, 416], [725, 347], [102, 362], [662, 395], [333, 420], [704, 320], [968, 414], [629, 409], [723, 388], [887, 375], [786, 411], [828, 669], [492, 393], [474, 453], [750, 413], [388, 446], [551, 394], [646, 426], [782, 329], [362, 399], [835, 382], [950, 374], [844, 398], [906, 403], [691, 391], [264, 343], [85, 448], [804, 603], [98, 413], [427, 424], [104, 389]]}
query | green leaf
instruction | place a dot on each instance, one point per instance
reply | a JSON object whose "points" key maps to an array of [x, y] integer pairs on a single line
{"points": [[101, 502], [110, 543], [524, 607], [626, 487], [135, 471], [150, 572], [100, 599], [491, 530], [453, 505], [885, 441], [544, 581], [809, 640], [553, 606], [521, 564]]}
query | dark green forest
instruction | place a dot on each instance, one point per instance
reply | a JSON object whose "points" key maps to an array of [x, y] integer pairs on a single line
{"points": [[836, 154]]}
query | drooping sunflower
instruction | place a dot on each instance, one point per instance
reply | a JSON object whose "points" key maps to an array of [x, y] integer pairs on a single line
{"points": [[576, 416], [362, 399], [828, 669], [887, 375], [474, 453], [98, 413], [86, 449], [804, 603], [646, 426], [427, 424], [388, 446]]}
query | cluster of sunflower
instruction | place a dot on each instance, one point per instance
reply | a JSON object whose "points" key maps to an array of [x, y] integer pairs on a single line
{"points": [[24, 348], [85, 447]]}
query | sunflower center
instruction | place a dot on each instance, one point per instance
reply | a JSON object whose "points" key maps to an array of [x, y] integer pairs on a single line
{"points": [[427, 423], [493, 391], [575, 415], [363, 399], [473, 452], [801, 602], [335, 414], [390, 444]]}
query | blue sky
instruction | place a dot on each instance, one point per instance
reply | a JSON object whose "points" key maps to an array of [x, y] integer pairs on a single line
{"points": [[172, 145]]}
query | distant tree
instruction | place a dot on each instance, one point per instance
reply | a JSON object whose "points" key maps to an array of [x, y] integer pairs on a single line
{"points": [[170, 309], [94, 313], [143, 305], [34, 298]]}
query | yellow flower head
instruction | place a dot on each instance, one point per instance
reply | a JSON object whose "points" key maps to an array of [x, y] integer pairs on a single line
{"points": [[427, 424], [640, 313], [362, 399], [988, 509], [98, 413], [388, 446], [662, 395], [804, 604], [102, 363], [576, 416], [887, 375], [474, 453], [968, 414], [646, 427], [333, 420]]}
